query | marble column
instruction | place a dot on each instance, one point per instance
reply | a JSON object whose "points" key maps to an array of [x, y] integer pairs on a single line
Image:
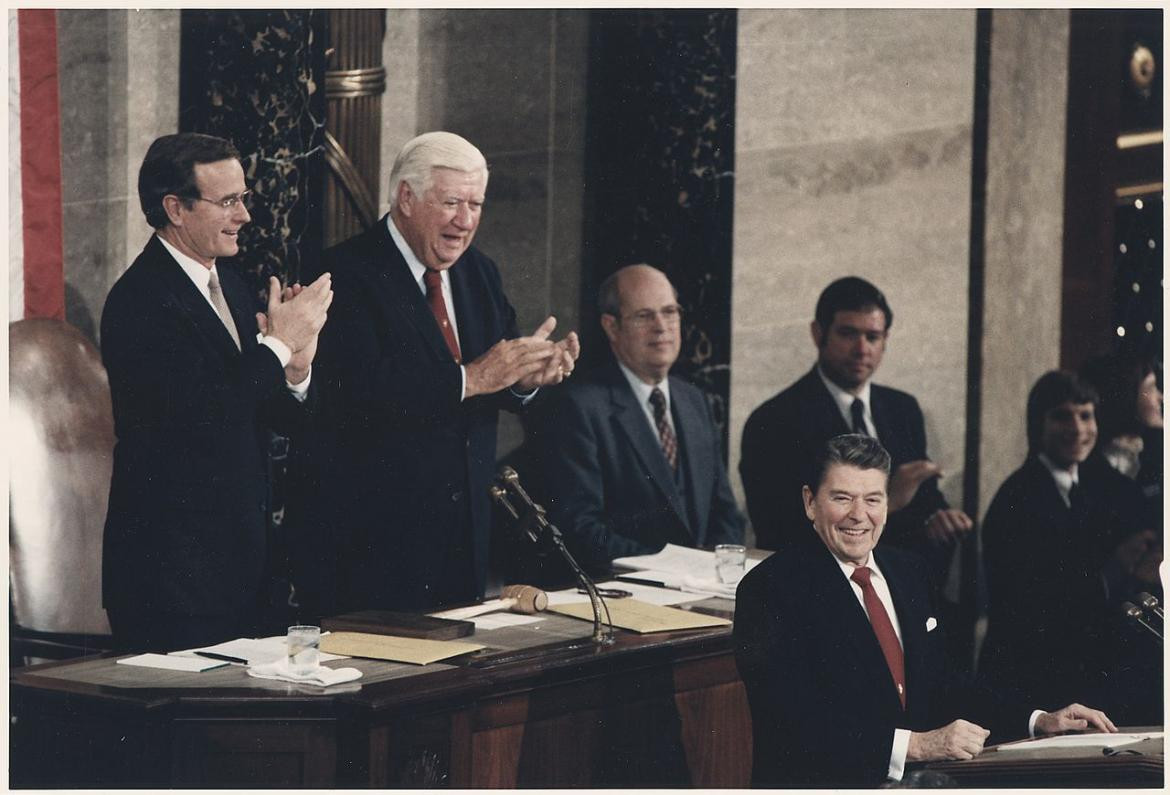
{"points": [[853, 157], [1024, 228], [119, 91]]}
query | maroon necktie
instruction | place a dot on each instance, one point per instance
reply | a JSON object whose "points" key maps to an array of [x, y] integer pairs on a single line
{"points": [[434, 282], [665, 434], [884, 630]]}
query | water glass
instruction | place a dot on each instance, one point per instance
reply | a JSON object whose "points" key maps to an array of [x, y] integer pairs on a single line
{"points": [[730, 561], [303, 641]]}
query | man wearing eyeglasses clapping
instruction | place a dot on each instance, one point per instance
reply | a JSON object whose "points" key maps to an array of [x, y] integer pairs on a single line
{"points": [[196, 380]]}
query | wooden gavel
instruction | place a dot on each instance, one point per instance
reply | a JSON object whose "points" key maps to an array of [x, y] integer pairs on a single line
{"points": [[526, 599]]}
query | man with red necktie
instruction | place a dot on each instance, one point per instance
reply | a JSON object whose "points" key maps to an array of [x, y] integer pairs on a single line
{"points": [[421, 354], [841, 651]]}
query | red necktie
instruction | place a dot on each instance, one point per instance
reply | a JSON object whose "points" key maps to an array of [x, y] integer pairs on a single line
{"points": [[665, 434], [434, 282], [887, 638]]}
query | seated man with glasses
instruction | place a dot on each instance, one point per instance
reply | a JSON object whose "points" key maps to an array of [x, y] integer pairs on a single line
{"points": [[633, 457]]}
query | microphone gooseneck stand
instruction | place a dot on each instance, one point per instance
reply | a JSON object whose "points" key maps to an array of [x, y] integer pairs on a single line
{"points": [[535, 524]]}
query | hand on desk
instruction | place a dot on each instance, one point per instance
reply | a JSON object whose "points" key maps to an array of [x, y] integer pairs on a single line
{"points": [[1074, 717], [959, 739]]}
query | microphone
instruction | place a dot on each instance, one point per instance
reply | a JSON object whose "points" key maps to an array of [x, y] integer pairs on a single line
{"points": [[1135, 616], [535, 524], [1149, 603]]}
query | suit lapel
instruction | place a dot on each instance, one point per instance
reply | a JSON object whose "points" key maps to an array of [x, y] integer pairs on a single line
{"points": [[912, 623], [632, 422], [405, 292], [192, 302], [468, 314], [688, 415], [840, 606], [826, 417]]}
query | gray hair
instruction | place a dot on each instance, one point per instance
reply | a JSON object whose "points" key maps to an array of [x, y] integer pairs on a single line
{"points": [[421, 155], [849, 449]]}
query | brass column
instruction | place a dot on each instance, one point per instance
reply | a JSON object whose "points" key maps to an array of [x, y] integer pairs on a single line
{"points": [[354, 84]]}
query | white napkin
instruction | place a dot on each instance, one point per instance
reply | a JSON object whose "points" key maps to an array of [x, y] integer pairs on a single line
{"points": [[320, 676], [709, 586]]}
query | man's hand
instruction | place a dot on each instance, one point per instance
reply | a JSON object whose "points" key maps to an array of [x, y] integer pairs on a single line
{"points": [[946, 525], [957, 740], [905, 480], [297, 319], [513, 362], [297, 369], [1074, 717], [560, 365]]}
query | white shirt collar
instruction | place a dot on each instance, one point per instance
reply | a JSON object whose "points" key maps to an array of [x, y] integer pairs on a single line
{"points": [[848, 568], [643, 390], [844, 401], [1064, 478], [196, 271], [417, 269]]}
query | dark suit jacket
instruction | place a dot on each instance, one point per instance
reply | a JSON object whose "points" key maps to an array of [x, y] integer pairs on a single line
{"points": [[1052, 636], [823, 704], [613, 493], [780, 440], [185, 529], [405, 466]]}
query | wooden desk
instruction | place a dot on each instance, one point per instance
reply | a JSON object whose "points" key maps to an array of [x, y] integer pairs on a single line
{"points": [[1023, 766], [652, 710]]}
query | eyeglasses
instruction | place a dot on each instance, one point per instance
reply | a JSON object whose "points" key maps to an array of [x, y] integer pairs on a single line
{"points": [[671, 316], [229, 203]]}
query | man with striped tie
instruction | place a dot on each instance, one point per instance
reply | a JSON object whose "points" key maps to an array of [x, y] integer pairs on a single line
{"points": [[633, 456]]}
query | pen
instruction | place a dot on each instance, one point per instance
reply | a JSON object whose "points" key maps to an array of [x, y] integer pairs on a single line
{"points": [[226, 658], [609, 593], [655, 583]]}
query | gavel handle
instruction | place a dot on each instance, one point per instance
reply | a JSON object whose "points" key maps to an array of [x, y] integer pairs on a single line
{"points": [[490, 606]]}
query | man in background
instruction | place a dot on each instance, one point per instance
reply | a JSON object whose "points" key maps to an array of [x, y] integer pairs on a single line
{"points": [[633, 459]]}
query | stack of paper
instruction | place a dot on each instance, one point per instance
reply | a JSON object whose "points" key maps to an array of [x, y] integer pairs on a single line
{"points": [[684, 568]]}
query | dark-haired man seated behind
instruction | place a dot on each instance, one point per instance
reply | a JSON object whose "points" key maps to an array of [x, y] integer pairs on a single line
{"points": [[841, 652]]}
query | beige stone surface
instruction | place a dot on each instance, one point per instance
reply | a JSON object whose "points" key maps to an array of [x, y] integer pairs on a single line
{"points": [[853, 157]]}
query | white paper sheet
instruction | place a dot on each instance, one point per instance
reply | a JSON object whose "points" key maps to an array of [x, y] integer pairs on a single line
{"points": [[645, 593], [256, 651], [1095, 740], [168, 662]]}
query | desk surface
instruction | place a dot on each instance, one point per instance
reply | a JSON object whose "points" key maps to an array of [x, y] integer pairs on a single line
{"points": [[540, 706]]}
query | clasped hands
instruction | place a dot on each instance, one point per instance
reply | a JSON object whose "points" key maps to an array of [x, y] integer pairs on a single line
{"points": [[524, 363], [962, 739], [295, 316], [944, 525]]}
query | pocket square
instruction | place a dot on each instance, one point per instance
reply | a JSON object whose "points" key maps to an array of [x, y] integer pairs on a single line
{"points": [[931, 624]]}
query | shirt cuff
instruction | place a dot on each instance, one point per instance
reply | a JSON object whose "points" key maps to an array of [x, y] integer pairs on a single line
{"points": [[1036, 713], [525, 397], [300, 391], [282, 351], [898, 754], [462, 383]]}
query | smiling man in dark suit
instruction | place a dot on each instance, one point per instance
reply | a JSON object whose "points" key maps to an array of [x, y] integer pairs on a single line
{"points": [[841, 651], [781, 437], [194, 390], [634, 459], [421, 353]]}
